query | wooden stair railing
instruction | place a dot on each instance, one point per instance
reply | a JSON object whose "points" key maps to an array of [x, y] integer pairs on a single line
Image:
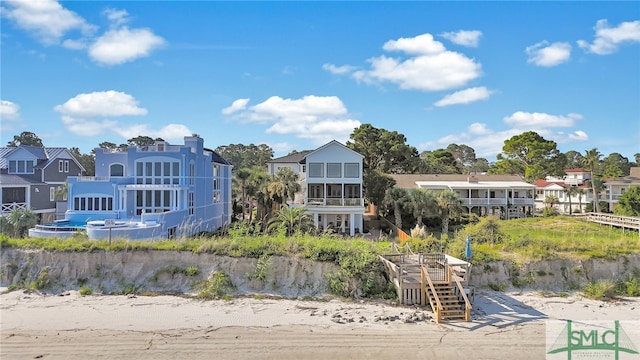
{"points": [[467, 303], [434, 301]]}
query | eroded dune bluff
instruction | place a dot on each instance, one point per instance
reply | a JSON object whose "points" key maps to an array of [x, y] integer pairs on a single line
{"points": [[165, 271]]}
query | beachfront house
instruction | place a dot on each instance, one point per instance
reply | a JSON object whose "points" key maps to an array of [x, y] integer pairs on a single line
{"points": [[330, 179], [507, 196], [31, 176], [157, 191], [615, 187]]}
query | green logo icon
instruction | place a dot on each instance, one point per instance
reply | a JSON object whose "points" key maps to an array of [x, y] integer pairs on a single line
{"points": [[594, 340]]}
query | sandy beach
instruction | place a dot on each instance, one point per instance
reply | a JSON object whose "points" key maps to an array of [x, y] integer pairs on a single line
{"points": [[71, 326]]}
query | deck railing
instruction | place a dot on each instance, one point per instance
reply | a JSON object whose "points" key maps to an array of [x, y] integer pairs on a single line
{"points": [[9, 207], [627, 222]]}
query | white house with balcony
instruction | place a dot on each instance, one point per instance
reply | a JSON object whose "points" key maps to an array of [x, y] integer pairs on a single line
{"points": [[507, 196], [331, 183], [566, 202], [614, 188]]}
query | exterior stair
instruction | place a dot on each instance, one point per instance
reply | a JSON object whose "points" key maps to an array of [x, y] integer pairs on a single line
{"points": [[452, 308]]}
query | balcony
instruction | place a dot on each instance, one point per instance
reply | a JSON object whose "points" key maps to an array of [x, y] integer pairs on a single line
{"points": [[495, 201], [311, 202], [9, 207]]}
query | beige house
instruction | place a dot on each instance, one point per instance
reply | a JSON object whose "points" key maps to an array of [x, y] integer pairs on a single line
{"points": [[507, 196]]}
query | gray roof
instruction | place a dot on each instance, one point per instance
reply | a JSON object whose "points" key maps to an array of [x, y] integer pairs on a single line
{"points": [[11, 179], [216, 158], [296, 158], [50, 154], [408, 181]]}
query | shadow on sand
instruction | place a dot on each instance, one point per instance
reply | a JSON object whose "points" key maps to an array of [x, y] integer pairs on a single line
{"points": [[498, 310]]}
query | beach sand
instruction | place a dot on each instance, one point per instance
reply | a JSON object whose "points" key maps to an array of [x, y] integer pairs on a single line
{"points": [[70, 326]]}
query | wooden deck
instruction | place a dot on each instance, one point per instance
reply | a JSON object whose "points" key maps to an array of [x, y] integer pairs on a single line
{"points": [[624, 222], [437, 279]]}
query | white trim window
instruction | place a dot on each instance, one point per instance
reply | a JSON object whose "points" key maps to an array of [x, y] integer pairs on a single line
{"points": [[52, 193], [351, 170], [63, 166], [334, 170], [21, 167], [316, 170]]}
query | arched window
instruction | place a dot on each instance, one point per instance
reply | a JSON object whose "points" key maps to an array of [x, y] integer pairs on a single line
{"points": [[116, 170]]}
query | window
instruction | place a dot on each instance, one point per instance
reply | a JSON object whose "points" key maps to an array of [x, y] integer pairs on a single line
{"points": [[351, 170], [93, 203], [192, 173], [52, 194], [316, 170], [192, 201], [334, 170], [20, 167], [116, 170], [157, 172], [63, 166]]}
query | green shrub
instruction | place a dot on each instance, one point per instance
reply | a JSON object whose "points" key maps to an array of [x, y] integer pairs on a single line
{"points": [[43, 280], [602, 289], [217, 286], [85, 290]]}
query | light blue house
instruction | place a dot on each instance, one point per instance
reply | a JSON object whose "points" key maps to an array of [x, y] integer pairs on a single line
{"points": [[160, 191]]}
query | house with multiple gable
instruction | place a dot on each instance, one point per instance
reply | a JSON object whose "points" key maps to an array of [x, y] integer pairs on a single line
{"points": [[507, 196], [331, 181], [157, 191], [31, 176], [558, 187]]}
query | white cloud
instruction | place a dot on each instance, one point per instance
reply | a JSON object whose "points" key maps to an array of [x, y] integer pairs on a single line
{"points": [[101, 103], [433, 68], [421, 44], [237, 105], [338, 70], [116, 17], [535, 120], [463, 37], [123, 45], [91, 115], [85, 127], [172, 133], [465, 96], [49, 22], [607, 39], [316, 118], [486, 142], [9, 111], [46, 20], [545, 54]]}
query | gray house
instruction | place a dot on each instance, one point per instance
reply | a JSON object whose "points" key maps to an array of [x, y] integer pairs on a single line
{"points": [[30, 177]]}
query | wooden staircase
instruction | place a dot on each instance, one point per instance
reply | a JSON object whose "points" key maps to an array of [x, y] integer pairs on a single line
{"points": [[452, 308], [447, 297]]}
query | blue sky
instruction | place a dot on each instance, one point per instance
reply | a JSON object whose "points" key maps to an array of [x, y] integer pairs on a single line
{"points": [[295, 75]]}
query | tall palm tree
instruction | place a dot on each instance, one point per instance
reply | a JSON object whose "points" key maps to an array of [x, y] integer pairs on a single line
{"points": [[449, 205], [283, 186], [256, 190], [397, 198], [293, 219], [570, 192], [580, 193], [591, 160], [240, 180], [422, 202]]}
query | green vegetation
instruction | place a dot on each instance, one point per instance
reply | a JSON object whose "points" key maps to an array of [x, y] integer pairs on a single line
{"points": [[217, 286], [359, 272], [85, 290]]}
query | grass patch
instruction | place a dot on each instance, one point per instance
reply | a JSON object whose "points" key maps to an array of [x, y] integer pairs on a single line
{"points": [[217, 286]]}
